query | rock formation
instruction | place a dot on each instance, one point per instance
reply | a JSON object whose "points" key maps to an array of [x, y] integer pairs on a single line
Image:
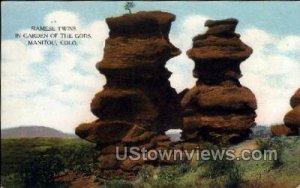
{"points": [[137, 104], [218, 108], [292, 118]]}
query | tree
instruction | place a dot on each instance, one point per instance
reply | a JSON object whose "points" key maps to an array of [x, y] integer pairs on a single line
{"points": [[129, 5]]}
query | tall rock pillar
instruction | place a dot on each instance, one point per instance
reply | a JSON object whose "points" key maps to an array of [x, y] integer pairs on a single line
{"points": [[218, 108], [137, 103]]}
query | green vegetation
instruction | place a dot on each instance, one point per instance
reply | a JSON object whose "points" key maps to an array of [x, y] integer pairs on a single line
{"points": [[34, 162], [40, 170], [276, 143], [228, 174], [129, 5]]}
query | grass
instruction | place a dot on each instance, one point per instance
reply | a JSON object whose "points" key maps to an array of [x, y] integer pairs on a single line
{"points": [[264, 172], [77, 156], [14, 151], [18, 155]]}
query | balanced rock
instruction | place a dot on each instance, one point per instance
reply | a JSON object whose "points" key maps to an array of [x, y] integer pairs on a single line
{"points": [[138, 103], [292, 118], [218, 108]]}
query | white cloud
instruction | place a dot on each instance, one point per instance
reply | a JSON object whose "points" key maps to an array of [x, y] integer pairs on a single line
{"points": [[65, 71], [62, 18], [99, 32], [195, 24], [190, 27], [17, 59], [272, 75], [16, 51], [256, 38], [289, 43], [181, 66], [74, 80], [44, 110]]}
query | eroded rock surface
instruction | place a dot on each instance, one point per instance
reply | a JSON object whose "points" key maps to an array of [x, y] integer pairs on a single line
{"points": [[292, 118], [218, 108], [137, 103]]}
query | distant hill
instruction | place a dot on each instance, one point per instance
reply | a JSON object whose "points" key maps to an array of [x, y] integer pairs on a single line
{"points": [[33, 131]]}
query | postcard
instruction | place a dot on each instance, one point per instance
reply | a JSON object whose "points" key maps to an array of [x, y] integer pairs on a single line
{"points": [[150, 94]]}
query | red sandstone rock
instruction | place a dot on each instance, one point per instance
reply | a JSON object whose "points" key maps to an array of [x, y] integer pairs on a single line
{"points": [[103, 132], [134, 53], [292, 118], [114, 104], [295, 100], [136, 134], [232, 122], [218, 108], [219, 42], [217, 49], [137, 103], [141, 24], [108, 161], [113, 149], [218, 97], [129, 164]]}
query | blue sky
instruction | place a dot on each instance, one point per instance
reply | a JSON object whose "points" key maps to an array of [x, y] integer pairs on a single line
{"points": [[278, 17], [53, 86]]}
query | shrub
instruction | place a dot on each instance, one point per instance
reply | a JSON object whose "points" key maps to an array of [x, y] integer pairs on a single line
{"points": [[128, 6], [278, 145], [77, 159], [272, 144], [214, 184], [183, 167], [12, 180], [39, 159], [264, 144], [146, 173], [82, 159], [234, 178], [220, 169], [118, 184], [168, 173], [216, 167], [166, 177], [280, 130], [40, 170]]}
